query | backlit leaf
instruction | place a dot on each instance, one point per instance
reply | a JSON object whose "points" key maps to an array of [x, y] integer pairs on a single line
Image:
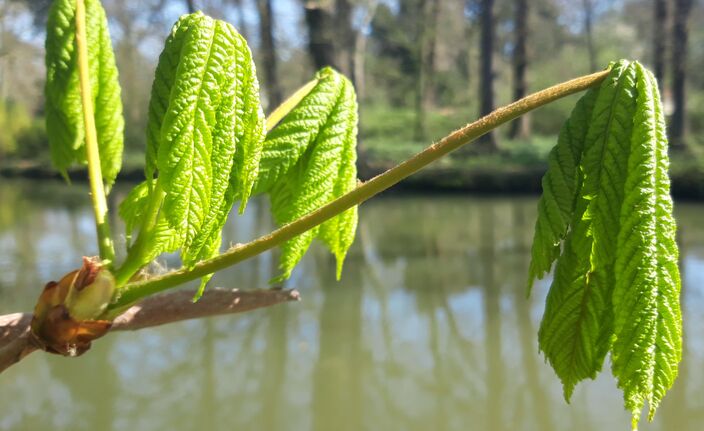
{"points": [[616, 285], [204, 137], [64, 109], [309, 159]]}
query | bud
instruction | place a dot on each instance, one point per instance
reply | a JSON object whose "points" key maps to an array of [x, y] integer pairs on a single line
{"points": [[64, 320], [89, 302]]}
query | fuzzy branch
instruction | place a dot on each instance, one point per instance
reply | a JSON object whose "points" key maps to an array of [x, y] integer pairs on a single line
{"points": [[16, 341], [135, 291]]}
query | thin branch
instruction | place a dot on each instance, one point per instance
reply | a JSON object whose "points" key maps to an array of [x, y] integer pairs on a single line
{"points": [[133, 292], [95, 175], [16, 341], [177, 306]]}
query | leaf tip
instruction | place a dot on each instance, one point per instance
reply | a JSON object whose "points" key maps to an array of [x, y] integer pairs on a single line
{"points": [[201, 289], [530, 283], [340, 261], [280, 278], [567, 391]]}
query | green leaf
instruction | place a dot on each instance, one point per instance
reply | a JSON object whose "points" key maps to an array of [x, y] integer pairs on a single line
{"points": [[64, 109], [134, 208], [164, 78], [647, 320], [575, 333], [308, 160], [616, 285], [668, 346], [204, 137], [560, 187], [252, 133]]}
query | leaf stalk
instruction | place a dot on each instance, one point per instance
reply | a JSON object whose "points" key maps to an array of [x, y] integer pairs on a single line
{"points": [[95, 176], [135, 257], [133, 292]]}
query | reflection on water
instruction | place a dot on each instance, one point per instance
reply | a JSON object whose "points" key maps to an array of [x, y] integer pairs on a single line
{"points": [[428, 329]]}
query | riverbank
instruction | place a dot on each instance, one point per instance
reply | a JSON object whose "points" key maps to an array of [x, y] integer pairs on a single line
{"points": [[687, 182], [479, 175]]}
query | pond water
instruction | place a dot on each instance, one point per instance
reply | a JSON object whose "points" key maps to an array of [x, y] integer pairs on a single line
{"points": [[429, 328]]}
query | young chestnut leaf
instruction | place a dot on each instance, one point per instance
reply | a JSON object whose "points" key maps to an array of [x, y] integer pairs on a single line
{"points": [[560, 187], [578, 320], [308, 160], [204, 140], [647, 317], [616, 284], [64, 109]]}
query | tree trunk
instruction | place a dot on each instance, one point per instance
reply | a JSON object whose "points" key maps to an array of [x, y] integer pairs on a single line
{"points": [[519, 127], [486, 76], [680, 34], [241, 22], [659, 40], [464, 60], [360, 49], [191, 6], [344, 37], [588, 20], [268, 54], [4, 60], [321, 45], [428, 18]]}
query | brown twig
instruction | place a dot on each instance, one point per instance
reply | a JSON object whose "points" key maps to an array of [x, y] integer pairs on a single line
{"points": [[16, 341]]}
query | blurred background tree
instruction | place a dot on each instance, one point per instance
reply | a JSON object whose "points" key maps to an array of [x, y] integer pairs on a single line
{"points": [[421, 67]]}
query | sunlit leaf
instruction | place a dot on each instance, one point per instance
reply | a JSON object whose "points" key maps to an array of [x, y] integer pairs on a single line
{"points": [[309, 159], [616, 284], [204, 138], [64, 109]]}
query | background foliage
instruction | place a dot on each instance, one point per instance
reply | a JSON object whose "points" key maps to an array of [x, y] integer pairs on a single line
{"points": [[415, 82]]}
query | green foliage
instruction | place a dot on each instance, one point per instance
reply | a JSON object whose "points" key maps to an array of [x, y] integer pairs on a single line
{"points": [[308, 160], [134, 208], [606, 201], [22, 135], [64, 109], [560, 183], [204, 140], [605, 218], [647, 319], [206, 148]]}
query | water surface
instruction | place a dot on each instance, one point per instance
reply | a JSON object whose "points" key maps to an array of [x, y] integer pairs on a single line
{"points": [[428, 329]]}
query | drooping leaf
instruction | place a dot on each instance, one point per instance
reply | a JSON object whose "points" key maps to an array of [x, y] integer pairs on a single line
{"points": [[605, 167], [64, 109], [204, 137], [616, 283], [560, 188], [576, 328], [308, 160], [647, 320], [668, 345]]}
